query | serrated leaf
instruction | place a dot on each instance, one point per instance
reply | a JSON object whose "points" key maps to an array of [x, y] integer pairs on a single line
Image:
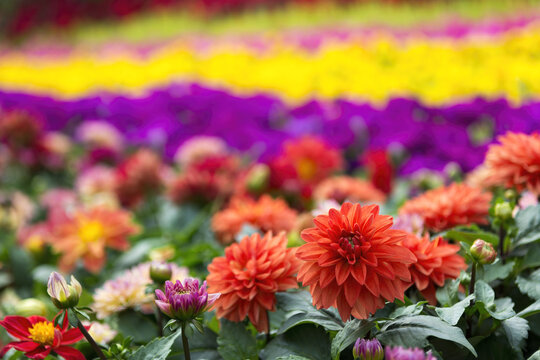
{"points": [[236, 342], [504, 309], [452, 314], [517, 330], [532, 257], [528, 224], [448, 294], [353, 330], [299, 309], [535, 356], [530, 286], [414, 309], [157, 349], [496, 271], [530, 310], [484, 293], [305, 340], [414, 331]]}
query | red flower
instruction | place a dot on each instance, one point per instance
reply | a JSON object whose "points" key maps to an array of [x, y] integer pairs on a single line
{"points": [[249, 275], [142, 173], [342, 188], [446, 207], [39, 337], [303, 164], [206, 180], [379, 169], [353, 261], [437, 261]]}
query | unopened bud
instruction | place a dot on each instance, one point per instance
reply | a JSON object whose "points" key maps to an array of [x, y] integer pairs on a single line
{"points": [[503, 211], [368, 349], [258, 178], [160, 272], [63, 296], [483, 252]]}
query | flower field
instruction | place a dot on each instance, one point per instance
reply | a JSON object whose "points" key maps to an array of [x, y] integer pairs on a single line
{"points": [[294, 180]]}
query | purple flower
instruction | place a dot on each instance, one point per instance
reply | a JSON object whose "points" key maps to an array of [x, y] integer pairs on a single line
{"points": [[400, 353], [185, 301], [368, 349]]}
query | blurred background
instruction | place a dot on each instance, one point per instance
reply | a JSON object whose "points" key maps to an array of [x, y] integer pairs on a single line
{"points": [[429, 82]]}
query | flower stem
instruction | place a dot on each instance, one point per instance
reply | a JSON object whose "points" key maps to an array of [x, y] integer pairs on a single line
{"points": [[502, 236], [91, 340], [473, 278], [185, 343]]}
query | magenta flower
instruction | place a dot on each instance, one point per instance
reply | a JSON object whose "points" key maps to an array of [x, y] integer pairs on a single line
{"points": [[368, 349], [185, 301], [400, 353]]}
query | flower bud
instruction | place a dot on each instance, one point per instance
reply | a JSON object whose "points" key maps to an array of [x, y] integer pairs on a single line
{"points": [[510, 194], [29, 307], [503, 211], [160, 272], [368, 349], [483, 252], [258, 178], [63, 296]]}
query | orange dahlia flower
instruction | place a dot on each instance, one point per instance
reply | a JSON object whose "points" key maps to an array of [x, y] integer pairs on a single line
{"points": [[353, 261], [515, 162], [249, 275], [437, 261], [341, 188], [87, 233], [265, 214], [446, 207]]}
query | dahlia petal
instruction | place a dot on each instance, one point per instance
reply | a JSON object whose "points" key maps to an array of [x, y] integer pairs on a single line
{"points": [[69, 353], [372, 284], [17, 326], [23, 346], [72, 336], [343, 306], [351, 291], [39, 353], [342, 272]]}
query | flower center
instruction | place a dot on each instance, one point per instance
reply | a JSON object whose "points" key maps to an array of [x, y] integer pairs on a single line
{"points": [[91, 231], [306, 168], [350, 245], [42, 332]]}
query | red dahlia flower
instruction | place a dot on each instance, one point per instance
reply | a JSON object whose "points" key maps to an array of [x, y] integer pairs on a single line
{"points": [[437, 261], [446, 207], [39, 337], [303, 164], [353, 260], [249, 275]]}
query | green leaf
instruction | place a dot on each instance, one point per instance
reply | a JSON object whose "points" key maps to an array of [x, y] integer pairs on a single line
{"points": [[138, 252], [535, 356], [469, 236], [517, 330], [448, 294], [532, 257], [305, 340], [528, 224], [292, 357], [530, 310], [452, 314], [414, 309], [157, 349], [297, 305], [484, 293], [236, 342], [414, 331], [353, 330], [201, 346], [504, 309], [496, 271], [530, 286], [136, 325]]}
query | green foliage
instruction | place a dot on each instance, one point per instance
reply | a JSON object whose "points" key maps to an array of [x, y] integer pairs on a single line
{"points": [[414, 331], [528, 224], [235, 341], [306, 340], [353, 330], [530, 286], [157, 349]]}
